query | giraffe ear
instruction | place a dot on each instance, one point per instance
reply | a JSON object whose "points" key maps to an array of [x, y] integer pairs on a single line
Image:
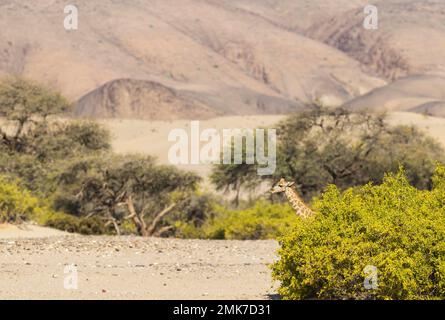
{"points": [[290, 184]]}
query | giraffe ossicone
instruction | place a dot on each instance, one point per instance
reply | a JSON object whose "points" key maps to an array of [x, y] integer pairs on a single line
{"points": [[301, 209]]}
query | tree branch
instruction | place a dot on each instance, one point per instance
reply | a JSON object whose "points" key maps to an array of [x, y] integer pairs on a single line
{"points": [[163, 230], [138, 221], [152, 228]]}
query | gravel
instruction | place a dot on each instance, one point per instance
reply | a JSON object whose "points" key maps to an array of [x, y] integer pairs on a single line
{"points": [[135, 268]]}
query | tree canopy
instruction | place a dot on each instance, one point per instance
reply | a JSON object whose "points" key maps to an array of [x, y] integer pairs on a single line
{"points": [[323, 146], [71, 164], [24, 102]]}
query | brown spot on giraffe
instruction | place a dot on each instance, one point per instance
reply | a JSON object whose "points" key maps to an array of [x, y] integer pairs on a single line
{"points": [[294, 199]]}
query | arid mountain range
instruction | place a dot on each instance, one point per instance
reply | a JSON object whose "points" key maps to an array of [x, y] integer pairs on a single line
{"points": [[197, 59]]}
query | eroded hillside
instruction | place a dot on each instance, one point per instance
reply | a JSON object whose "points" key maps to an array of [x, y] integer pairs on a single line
{"points": [[226, 60]]}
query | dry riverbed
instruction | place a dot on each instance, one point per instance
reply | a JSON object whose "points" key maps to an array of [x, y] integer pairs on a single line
{"points": [[133, 268]]}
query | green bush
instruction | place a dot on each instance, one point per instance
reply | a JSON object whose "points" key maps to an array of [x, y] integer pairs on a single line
{"points": [[394, 227], [60, 221], [66, 222], [18, 205], [263, 221]]}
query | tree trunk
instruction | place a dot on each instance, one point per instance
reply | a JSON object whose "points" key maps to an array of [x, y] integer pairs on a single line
{"points": [[113, 221], [238, 189], [153, 226], [137, 220], [142, 228]]}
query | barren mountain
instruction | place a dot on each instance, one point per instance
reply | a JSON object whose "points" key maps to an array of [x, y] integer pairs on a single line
{"points": [[421, 94], [126, 98], [170, 59], [295, 15], [434, 108], [410, 38], [215, 55]]}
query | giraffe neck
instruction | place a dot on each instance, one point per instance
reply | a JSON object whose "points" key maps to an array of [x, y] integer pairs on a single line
{"points": [[297, 204]]}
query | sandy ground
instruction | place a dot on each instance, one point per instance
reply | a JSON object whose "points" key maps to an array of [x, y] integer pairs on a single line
{"points": [[32, 258], [132, 267], [28, 231]]}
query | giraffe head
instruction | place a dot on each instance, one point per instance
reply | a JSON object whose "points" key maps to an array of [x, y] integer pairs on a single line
{"points": [[281, 186]]}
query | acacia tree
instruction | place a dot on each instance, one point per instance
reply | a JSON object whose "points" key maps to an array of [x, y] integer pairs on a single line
{"points": [[49, 150], [34, 148], [60, 140], [235, 177], [322, 146], [130, 188], [336, 146], [70, 164], [23, 102]]}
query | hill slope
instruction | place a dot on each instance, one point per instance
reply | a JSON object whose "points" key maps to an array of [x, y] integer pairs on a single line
{"points": [[224, 58], [410, 38], [419, 93], [126, 98]]}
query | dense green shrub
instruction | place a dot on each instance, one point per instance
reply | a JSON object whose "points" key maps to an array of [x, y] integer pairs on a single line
{"points": [[18, 205], [69, 223], [191, 214], [262, 221], [393, 226], [60, 221]]}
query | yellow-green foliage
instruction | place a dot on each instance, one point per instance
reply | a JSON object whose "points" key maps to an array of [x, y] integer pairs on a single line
{"points": [[262, 221], [393, 226], [66, 222], [18, 205]]}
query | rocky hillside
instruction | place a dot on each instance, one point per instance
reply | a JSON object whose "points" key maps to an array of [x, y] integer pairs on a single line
{"points": [[420, 93], [210, 53], [164, 59], [141, 99], [410, 38]]}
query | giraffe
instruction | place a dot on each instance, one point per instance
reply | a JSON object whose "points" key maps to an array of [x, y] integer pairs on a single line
{"points": [[297, 204]]}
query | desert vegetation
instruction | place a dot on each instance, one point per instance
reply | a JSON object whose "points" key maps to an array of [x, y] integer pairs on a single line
{"points": [[393, 226], [323, 146], [377, 191], [354, 89], [70, 166]]}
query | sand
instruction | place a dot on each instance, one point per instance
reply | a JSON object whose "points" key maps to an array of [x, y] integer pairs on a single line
{"points": [[132, 267], [8, 231]]}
